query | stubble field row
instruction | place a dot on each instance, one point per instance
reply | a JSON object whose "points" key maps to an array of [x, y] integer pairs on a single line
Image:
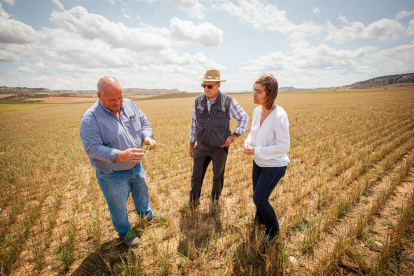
{"points": [[344, 205]]}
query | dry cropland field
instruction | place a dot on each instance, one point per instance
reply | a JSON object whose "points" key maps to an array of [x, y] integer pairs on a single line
{"points": [[345, 205]]}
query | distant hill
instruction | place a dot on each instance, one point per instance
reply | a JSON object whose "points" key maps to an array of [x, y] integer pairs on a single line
{"points": [[375, 82], [384, 80], [25, 90], [142, 91], [289, 89], [128, 91]]}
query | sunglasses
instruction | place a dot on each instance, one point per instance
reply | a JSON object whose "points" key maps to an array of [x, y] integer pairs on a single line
{"points": [[208, 86]]}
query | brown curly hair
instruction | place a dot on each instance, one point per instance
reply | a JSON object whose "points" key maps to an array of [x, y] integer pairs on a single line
{"points": [[271, 87]]}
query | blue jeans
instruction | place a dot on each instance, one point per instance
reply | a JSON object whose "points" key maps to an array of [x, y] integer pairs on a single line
{"points": [[265, 180], [116, 187]]}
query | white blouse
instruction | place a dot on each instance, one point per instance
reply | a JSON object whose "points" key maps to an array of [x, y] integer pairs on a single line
{"points": [[271, 140]]}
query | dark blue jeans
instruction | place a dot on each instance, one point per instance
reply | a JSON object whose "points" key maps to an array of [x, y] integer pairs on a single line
{"points": [[265, 180]]}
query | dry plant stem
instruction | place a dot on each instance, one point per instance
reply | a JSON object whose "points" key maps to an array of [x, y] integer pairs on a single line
{"points": [[327, 265]]}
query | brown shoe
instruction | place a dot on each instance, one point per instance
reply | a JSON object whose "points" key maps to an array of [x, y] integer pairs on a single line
{"points": [[190, 206], [215, 207]]}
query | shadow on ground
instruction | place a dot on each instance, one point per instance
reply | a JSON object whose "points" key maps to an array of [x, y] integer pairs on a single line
{"points": [[110, 257], [198, 229]]}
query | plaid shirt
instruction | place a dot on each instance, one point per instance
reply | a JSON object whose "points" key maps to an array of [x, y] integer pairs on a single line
{"points": [[236, 112]]}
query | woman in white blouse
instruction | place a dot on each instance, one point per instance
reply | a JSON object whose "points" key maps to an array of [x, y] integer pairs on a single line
{"points": [[269, 142]]}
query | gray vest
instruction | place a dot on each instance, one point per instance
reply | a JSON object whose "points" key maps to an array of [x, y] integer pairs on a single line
{"points": [[212, 129]]}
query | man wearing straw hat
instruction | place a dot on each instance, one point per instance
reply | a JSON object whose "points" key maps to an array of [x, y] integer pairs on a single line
{"points": [[210, 127]]}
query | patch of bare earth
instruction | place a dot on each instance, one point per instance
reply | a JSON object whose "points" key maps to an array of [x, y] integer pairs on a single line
{"points": [[63, 99], [2, 96]]}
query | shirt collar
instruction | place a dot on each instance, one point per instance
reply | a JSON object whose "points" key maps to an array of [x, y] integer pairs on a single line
{"points": [[214, 98], [106, 109]]}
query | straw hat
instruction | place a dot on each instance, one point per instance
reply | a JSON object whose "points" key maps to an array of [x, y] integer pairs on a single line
{"points": [[212, 75]]}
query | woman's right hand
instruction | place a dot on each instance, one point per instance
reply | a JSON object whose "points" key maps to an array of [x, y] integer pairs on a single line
{"points": [[247, 149]]}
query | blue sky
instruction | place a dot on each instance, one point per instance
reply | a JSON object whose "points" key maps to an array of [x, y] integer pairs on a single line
{"points": [[70, 44]]}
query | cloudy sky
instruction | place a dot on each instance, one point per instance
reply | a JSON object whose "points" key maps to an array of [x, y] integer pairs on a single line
{"points": [[70, 44]]}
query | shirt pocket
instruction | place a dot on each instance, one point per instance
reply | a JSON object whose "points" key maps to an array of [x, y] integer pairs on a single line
{"points": [[135, 123]]}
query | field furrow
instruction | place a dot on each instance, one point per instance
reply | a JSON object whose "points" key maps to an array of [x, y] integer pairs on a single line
{"points": [[325, 255]]}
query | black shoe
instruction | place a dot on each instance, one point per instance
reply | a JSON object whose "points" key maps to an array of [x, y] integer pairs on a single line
{"points": [[268, 238], [258, 221]]}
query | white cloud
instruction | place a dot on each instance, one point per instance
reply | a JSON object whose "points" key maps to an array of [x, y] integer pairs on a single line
{"points": [[59, 4], [24, 69], [112, 2], [17, 73], [384, 29], [201, 60], [7, 56], [85, 44], [192, 7], [204, 34], [343, 20], [271, 62], [394, 60], [403, 14], [126, 12], [96, 27], [321, 58], [66, 51], [410, 29], [316, 10], [10, 2], [172, 57], [326, 57], [269, 18], [13, 31]]}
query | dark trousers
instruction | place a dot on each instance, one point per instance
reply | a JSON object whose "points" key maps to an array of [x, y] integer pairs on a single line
{"points": [[202, 159], [265, 180]]}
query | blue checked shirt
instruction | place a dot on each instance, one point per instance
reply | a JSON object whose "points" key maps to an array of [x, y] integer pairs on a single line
{"points": [[104, 136], [236, 112]]}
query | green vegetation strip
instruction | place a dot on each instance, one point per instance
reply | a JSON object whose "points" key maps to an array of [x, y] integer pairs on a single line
{"points": [[166, 96], [14, 107]]}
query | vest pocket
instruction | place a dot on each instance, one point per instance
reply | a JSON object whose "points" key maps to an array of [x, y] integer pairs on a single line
{"points": [[201, 135], [221, 111], [217, 137], [200, 112]]}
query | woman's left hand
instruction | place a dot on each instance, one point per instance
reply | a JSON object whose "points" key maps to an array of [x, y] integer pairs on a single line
{"points": [[247, 149]]}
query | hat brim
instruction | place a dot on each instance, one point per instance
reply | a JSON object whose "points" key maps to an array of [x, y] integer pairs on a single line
{"points": [[211, 80]]}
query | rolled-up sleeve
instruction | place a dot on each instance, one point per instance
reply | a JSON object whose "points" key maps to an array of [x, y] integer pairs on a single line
{"points": [[238, 113], [191, 136], [146, 129]]}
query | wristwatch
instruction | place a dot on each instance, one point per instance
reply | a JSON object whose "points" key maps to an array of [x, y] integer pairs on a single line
{"points": [[237, 135]]}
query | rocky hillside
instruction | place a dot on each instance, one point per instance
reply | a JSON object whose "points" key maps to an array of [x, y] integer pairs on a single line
{"points": [[384, 80]]}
